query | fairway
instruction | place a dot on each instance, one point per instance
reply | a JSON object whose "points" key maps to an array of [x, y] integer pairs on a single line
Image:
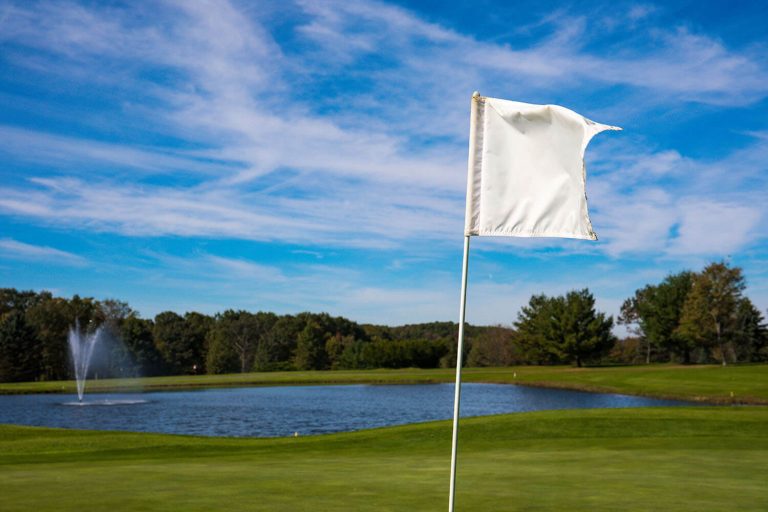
{"points": [[689, 459]]}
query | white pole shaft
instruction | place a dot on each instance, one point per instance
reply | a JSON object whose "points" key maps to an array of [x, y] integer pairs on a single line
{"points": [[459, 357]]}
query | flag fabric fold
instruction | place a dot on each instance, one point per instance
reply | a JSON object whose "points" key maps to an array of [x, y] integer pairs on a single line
{"points": [[527, 176]]}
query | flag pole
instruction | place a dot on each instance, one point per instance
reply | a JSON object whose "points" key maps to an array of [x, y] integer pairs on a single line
{"points": [[463, 306], [459, 354]]}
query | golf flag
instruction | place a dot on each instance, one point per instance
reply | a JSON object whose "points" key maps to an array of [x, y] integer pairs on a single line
{"points": [[526, 178], [526, 170]]}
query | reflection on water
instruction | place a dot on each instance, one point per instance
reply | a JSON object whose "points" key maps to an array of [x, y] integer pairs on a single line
{"points": [[281, 411], [107, 401]]}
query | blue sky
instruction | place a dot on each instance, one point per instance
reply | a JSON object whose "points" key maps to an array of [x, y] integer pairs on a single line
{"points": [[291, 156]]}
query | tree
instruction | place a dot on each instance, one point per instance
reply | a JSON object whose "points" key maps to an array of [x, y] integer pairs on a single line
{"points": [[114, 312], [310, 348], [751, 335], [12, 299], [235, 340], [265, 355], [353, 356], [627, 350], [710, 312], [86, 312], [19, 354], [535, 330], [196, 329], [335, 348], [51, 318], [494, 346], [243, 335], [111, 356], [583, 333], [656, 311], [136, 334], [565, 328], [178, 353], [278, 346], [221, 357]]}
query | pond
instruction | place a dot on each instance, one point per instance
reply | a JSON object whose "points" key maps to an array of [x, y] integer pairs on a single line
{"points": [[283, 411]]}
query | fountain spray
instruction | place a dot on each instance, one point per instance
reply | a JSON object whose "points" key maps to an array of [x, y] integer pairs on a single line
{"points": [[81, 345]]}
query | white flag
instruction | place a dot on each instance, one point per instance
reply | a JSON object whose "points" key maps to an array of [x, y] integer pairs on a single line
{"points": [[526, 170]]}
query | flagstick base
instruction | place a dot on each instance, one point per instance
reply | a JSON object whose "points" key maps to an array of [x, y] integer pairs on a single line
{"points": [[459, 357]]}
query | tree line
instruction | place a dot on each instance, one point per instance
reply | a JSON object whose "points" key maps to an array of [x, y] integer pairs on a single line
{"points": [[34, 329], [688, 317], [696, 317]]}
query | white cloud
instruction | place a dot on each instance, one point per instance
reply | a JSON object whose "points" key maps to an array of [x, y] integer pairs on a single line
{"points": [[10, 248], [72, 154], [322, 143], [241, 268], [638, 224], [428, 65], [670, 206], [711, 228], [336, 215]]}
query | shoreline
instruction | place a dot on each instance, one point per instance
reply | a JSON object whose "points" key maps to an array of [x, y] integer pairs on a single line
{"points": [[654, 381]]}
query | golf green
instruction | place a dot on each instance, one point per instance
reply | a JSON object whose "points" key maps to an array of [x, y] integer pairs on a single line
{"points": [[686, 459]]}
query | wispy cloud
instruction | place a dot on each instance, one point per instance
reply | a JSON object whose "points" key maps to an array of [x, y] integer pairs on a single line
{"points": [[76, 155], [716, 229], [428, 65], [10, 248], [344, 216], [669, 205], [343, 124], [239, 102], [241, 268]]}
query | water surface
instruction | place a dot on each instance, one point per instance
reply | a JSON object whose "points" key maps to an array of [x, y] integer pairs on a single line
{"points": [[281, 411]]}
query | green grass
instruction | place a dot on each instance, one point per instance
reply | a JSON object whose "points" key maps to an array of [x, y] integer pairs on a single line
{"points": [[709, 383], [673, 459]]}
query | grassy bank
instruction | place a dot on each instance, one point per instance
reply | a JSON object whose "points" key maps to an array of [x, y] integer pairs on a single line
{"points": [[714, 384], [682, 459]]}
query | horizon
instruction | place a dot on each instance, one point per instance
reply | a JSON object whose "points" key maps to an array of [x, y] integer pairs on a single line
{"points": [[293, 157]]}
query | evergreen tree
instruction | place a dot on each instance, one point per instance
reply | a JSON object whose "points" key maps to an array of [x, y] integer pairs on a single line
{"points": [[535, 330], [565, 328], [583, 334], [751, 333]]}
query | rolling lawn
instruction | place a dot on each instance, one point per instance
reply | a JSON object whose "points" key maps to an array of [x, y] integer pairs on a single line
{"points": [[671, 459]]}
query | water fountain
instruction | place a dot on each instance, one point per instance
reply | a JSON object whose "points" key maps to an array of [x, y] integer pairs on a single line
{"points": [[81, 345]]}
